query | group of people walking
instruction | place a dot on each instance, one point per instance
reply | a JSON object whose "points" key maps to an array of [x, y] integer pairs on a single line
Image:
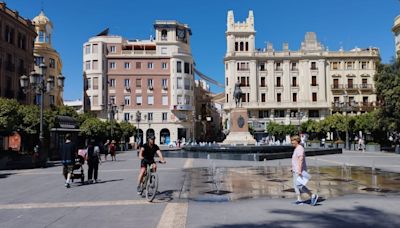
{"points": [[91, 154]]}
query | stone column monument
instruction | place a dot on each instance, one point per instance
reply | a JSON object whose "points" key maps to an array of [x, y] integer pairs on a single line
{"points": [[239, 131]]}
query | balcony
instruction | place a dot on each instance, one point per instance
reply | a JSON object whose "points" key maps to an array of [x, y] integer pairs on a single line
{"points": [[343, 107], [351, 87], [365, 87], [367, 106], [337, 87]]}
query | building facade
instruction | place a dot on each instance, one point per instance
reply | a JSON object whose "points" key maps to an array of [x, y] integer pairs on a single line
{"points": [[45, 53], [16, 52], [155, 77], [290, 87], [396, 31]]}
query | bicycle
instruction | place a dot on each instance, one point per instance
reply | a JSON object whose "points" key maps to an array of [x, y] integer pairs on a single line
{"points": [[149, 184]]}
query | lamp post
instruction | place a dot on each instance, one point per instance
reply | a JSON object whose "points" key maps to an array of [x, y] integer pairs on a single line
{"points": [[299, 116], [113, 109], [345, 107], [138, 118], [37, 83]]}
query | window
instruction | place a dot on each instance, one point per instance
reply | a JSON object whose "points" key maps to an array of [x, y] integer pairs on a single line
{"points": [[164, 100], [363, 65], [364, 83], [179, 67], [247, 46], [112, 100], [139, 83], [294, 81], [278, 66], [150, 65], [179, 99], [53, 100], [150, 100], [164, 83], [112, 83], [350, 83], [279, 113], [112, 49], [127, 65], [150, 116], [294, 97], [336, 83], [187, 100], [186, 69], [150, 84], [95, 48], [313, 66], [263, 97], [112, 65], [242, 66], [278, 97], [365, 100], [314, 97], [278, 82], [335, 65], [313, 113], [164, 66], [87, 65], [314, 80], [262, 81], [336, 101], [262, 66], [127, 83], [38, 59], [164, 34], [164, 116], [95, 64], [127, 100], [138, 65], [294, 66], [179, 83], [187, 84], [263, 114], [349, 65], [138, 99], [126, 116], [95, 83], [52, 63], [241, 46], [89, 83], [87, 49]]}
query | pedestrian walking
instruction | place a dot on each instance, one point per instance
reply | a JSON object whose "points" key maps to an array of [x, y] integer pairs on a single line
{"points": [[106, 149], [68, 154], [113, 149], [93, 160], [299, 170]]}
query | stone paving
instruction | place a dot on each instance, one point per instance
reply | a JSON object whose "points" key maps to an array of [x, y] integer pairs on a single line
{"points": [[257, 194]]}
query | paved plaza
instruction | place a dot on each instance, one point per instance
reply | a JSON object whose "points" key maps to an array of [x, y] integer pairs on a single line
{"points": [[357, 189]]}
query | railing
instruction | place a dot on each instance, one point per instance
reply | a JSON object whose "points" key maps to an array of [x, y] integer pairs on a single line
{"points": [[337, 86], [351, 86], [365, 86]]}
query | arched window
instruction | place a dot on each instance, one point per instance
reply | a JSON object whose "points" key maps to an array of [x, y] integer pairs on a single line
{"points": [[164, 34], [247, 46], [241, 46], [236, 46]]}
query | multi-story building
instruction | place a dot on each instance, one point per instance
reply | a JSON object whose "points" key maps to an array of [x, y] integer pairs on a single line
{"points": [[16, 52], [207, 116], [45, 53], [155, 77], [292, 86]]}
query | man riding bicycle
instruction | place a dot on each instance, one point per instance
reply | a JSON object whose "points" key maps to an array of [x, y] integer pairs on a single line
{"points": [[146, 155]]}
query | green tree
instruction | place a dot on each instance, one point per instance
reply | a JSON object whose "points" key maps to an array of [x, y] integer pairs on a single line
{"points": [[94, 128], [127, 129], [9, 114], [29, 121], [387, 83]]}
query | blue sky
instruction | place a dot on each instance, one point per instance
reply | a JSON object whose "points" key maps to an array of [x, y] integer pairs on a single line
{"points": [[346, 23]]}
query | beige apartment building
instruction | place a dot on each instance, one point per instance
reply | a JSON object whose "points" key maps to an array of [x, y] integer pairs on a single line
{"points": [[396, 31], [155, 77], [289, 86], [45, 53], [16, 52]]}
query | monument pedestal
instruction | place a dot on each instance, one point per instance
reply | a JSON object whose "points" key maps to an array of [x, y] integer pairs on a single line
{"points": [[239, 132]]}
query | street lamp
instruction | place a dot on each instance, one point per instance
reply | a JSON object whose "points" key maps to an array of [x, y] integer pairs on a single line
{"points": [[345, 107], [299, 116], [113, 109], [39, 85]]}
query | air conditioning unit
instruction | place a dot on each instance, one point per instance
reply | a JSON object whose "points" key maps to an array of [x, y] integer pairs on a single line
{"points": [[165, 87], [150, 87], [127, 88]]}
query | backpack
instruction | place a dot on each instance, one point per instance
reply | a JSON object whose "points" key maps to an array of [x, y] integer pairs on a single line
{"points": [[96, 151]]}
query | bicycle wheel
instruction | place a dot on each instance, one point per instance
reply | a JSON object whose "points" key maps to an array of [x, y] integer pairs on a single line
{"points": [[152, 186]]}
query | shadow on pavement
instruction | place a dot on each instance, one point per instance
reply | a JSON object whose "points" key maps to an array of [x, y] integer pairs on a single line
{"points": [[164, 196], [5, 175], [360, 216]]}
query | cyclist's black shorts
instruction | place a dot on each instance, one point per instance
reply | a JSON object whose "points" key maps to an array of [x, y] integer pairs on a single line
{"points": [[144, 163]]}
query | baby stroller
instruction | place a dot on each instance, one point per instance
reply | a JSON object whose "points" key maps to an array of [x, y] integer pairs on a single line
{"points": [[78, 165]]}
